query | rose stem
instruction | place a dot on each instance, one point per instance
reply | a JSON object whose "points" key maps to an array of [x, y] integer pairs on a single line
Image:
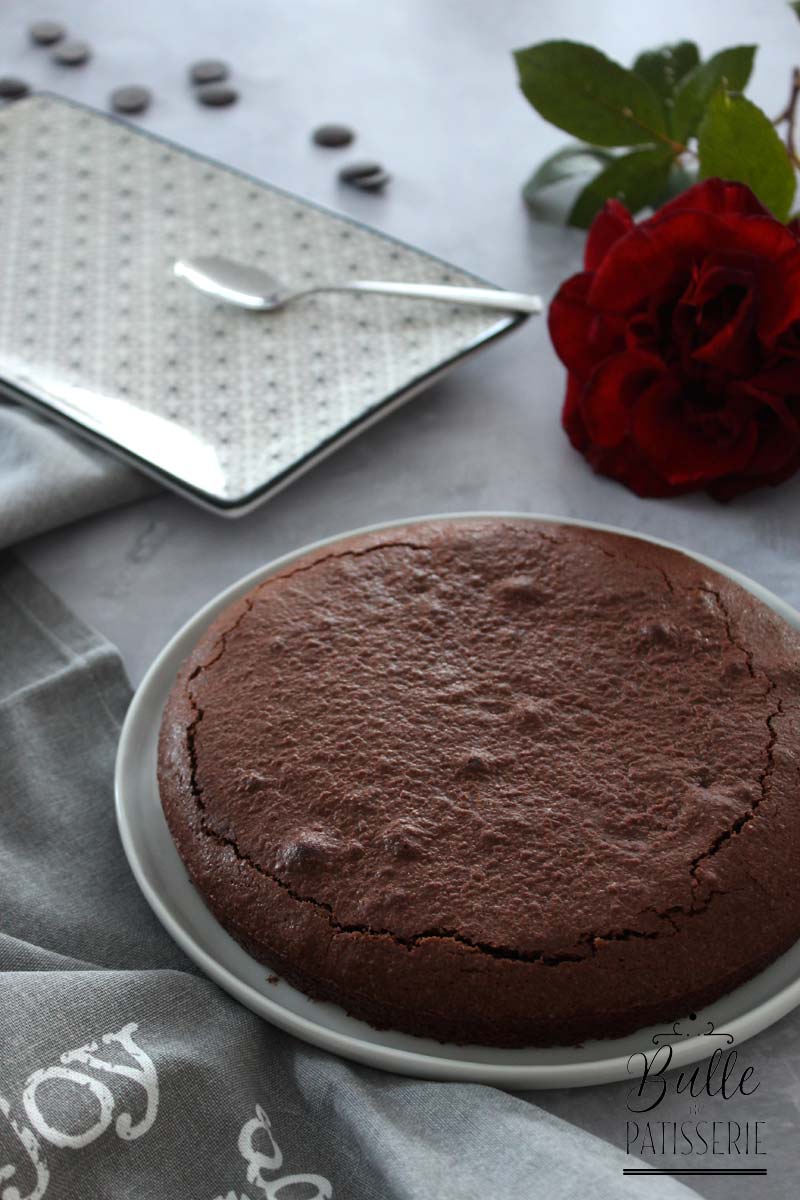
{"points": [[789, 115]]}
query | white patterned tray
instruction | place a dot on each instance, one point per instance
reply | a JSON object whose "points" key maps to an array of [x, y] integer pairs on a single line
{"points": [[221, 404]]}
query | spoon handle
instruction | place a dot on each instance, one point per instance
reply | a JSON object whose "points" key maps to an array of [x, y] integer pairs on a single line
{"points": [[482, 297]]}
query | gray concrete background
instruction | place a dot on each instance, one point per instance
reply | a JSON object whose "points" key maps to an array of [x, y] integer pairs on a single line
{"points": [[430, 86]]}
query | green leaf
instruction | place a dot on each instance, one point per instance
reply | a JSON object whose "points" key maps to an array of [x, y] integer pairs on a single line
{"points": [[795, 6], [731, 67], [666, 66], [581, 91], [637, 179], [564, 164], [738, 141]]}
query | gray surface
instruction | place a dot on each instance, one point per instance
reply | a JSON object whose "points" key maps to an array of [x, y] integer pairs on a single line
{"points": [[430, 87]]}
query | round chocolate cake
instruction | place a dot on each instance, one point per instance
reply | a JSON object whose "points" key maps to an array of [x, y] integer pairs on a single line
{"points": [[494, 781]]}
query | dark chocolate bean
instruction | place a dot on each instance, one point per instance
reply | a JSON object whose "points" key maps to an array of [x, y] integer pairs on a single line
{"points": [[132, 98], [46, 33], [208, 70], [333, 136], [354, 170], [371, 183], [368, 176], [72, 54], [13, 89], [217, 94]]}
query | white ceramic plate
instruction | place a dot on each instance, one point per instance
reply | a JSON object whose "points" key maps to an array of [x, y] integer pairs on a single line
{"points": [[163, 879]]}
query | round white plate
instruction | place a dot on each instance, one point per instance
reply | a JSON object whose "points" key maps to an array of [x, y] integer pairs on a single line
{"points": [[163, 879]]}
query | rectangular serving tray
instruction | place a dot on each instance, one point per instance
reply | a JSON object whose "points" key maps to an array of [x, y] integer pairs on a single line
{"points": [[222, 405]]}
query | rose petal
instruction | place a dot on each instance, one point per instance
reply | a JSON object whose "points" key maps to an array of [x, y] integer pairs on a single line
{"points": [[682, 454], [582, 337], [721, 271], [712, 324], [774, 461], [773, 453], [611, 391], [654, 257], [628, 465], [779, 301], [787, 344], [571, 417], [719, 196], [731, 349], [779, 378], [609, 225], [763, 237], [648, 258]]}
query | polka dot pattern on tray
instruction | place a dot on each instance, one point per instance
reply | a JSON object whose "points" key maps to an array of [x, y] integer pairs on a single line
{"points": [[226, 403]]}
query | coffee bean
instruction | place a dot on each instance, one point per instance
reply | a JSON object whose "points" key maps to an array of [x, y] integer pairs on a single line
{"points": [[72, 54], [217, 94], [13, 89], [208, 70], [333, 135], [131, 98], [46, 33], [357, 169]]}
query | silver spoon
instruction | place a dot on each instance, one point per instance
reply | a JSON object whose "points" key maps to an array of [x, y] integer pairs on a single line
{"points": [[250, 287]]}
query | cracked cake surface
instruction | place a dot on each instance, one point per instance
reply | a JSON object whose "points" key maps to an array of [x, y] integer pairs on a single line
{"points": [[494, 781]]}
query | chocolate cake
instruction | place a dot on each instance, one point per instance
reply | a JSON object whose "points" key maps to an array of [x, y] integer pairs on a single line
{"points": [[494, 781]]}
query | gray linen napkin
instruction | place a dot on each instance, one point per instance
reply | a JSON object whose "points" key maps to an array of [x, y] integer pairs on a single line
{"points": [[126, 1073], [48, 477]]}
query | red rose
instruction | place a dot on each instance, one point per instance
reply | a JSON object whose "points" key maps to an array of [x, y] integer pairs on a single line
{"points": [[682, 343]]}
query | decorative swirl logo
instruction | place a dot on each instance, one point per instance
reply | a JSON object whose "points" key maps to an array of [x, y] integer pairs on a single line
{"points": [[665, 1035]]}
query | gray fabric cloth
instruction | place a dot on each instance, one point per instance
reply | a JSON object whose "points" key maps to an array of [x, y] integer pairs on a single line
{"points": [[48, 477], [126, 1073]]}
